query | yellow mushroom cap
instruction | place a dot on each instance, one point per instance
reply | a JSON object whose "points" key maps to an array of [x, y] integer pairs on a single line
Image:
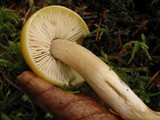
{"points": [[44, 26]]}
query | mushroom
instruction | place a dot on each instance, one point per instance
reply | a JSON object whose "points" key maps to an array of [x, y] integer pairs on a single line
{"points": [[48, 43], [43, 27]]}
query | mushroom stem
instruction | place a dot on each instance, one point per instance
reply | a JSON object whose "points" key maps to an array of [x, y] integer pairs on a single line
{"points": [[103, 80]]}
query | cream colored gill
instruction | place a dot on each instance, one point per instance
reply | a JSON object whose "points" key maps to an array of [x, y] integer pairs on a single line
{"points": [[49, 24]]}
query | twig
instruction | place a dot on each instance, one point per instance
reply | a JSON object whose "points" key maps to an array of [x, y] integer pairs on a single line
{"points": [[31, 4], [119, 39], [103, 16], [11, 83], [153, 80], [97, 34], [140, 27]]}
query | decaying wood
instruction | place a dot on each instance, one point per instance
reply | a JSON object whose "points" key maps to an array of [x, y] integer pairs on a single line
{"points": [[66, 106]]}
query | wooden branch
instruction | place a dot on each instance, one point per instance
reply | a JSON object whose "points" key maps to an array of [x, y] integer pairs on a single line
{"points": [[66, 106]]}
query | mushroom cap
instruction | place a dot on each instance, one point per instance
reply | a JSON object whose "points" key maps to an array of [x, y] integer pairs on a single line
{"points": [[44, 26]]}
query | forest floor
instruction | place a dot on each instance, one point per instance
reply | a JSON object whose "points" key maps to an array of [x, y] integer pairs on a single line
{"points": [[124, 34]]}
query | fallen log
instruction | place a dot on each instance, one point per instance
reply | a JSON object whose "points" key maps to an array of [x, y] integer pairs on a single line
{"points": [[65, 105]]}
